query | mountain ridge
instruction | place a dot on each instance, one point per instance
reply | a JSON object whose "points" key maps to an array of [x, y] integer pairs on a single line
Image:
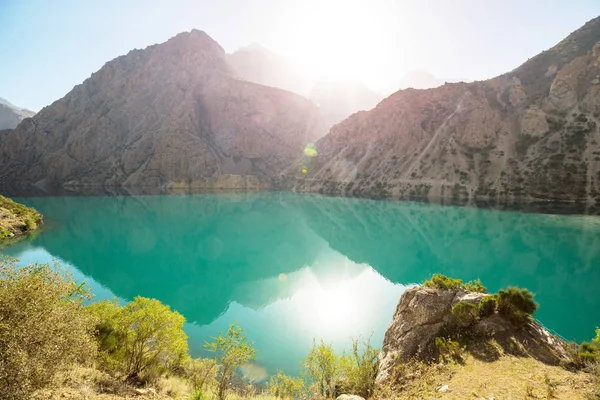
{"points": [[171, 114], [531, 133]]}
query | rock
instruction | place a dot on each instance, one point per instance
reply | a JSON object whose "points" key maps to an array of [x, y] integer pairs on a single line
{"points": [[507, 137], [142, 392], [170, 114], [420, 316], [443, 388], [423, 314], [349, 397]]}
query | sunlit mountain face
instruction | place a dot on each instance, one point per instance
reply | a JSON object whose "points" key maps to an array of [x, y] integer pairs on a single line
{"points": [[291, 268]]}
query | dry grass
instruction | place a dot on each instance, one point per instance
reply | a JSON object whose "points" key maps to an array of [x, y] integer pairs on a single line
{"points": [[509, 377]]}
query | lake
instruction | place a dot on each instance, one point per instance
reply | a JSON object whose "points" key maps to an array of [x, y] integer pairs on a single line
{"points": [[290, 268]]}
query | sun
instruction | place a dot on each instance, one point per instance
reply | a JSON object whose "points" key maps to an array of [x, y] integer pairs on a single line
{"points": [[333, 39]]}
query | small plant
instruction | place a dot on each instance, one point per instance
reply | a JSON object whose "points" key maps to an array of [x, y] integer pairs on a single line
{"points": [[475, 286], [201, 372], [448, 348], [197, 395], [442, 282], [589, 352], [516, 304], [487, 306], [465, 313], [286, 387], [550, 387]]}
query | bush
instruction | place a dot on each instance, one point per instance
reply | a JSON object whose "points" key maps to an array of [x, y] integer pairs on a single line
{"points": [[143, 336], [589, 352], [516, 304], [201, 373], [448, 348], [230, 351], [442, 282], [475, 286], [42, 327], [360, 368], [487, 306], [465, 313], [323, 367], [286, 387]]}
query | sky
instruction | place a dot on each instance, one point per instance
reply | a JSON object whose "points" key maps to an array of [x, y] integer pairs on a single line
{"points": [[47, 47]]}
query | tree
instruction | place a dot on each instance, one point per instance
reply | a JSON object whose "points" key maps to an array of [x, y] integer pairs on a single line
{"points": [[323, 367], [139, 337], [42, 327], [230, 351]]}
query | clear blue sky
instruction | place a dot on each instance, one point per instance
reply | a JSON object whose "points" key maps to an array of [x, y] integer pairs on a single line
{"points": [[47, 47]]}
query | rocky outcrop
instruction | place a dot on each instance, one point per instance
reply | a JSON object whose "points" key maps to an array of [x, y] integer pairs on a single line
{"points": [[423, 314], [171, 114], [11, 115], [533, 133]]}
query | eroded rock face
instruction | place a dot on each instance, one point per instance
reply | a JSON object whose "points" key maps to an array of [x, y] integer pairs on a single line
{"points": [[171, 114], [423, 314], [531, 133]]}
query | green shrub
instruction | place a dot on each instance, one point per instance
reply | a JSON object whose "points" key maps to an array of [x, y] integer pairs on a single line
{"points": [[286, 387], [487, 306], [465, 313], [324, 368], [230, 351], [144, 336], [442, 282], [201, 373], [475, 286], [516, 304], [42, 327], [597, 338], [360, 368], [589, 352], [448, 348]]}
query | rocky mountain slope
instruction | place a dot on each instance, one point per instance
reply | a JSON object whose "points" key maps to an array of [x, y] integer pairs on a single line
{"points": [[532, 133], [11, 115], [337, 100], [169, 115]]}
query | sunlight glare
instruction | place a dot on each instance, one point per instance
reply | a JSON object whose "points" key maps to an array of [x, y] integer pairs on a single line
{"points": [[334, 39]]}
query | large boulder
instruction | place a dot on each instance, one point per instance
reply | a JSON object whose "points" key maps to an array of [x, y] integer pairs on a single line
{"points": [[423, 314]]}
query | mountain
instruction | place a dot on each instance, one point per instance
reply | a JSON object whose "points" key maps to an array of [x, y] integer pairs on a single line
{"points": [[169, 115], [337, 100], [11, 115], [530, 133]]}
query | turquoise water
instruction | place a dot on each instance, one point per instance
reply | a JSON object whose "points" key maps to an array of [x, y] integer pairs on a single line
{"points": [[289, 267]]}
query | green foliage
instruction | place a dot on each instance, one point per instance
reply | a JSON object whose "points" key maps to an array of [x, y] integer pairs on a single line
{"points": [[487, 306], [230, 351], [144, 336], [597, 338], [286, 387], [516, 304], [324, 368], [442, 282], [198, 395], [360, 368], [475, 286], [30, 217], [465, 313], [201, 373], [42, 327], [448, 348], [589, 352]]}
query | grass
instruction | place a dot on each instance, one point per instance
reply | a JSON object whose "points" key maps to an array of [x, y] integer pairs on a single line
{"points": [[17, 219], [509, 377]]}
